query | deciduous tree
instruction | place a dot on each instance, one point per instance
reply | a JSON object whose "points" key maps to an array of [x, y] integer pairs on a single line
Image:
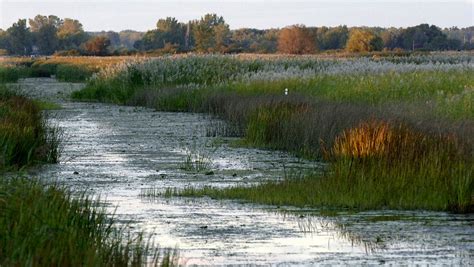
{"points": [[71, 34], [44, 30], [296, 39], [363, 40], [211, 34], [97, 46], [19, 38]]}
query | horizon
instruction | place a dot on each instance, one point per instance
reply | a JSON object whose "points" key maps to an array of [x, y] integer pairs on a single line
{"points": [[141, 15]]}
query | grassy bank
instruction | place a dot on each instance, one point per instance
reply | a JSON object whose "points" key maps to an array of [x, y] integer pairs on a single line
{"points": [[67, 69], [418, 108], [45, 224], [25, 139]]}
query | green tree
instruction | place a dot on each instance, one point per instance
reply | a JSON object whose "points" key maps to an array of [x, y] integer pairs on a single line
{"points": [[172, 32], [3, 40], [44, 29], [296, 39], [424, 37], [460, 38], [19, 38], [391, 38], [245, 40], [269, 41], [168, 33], [211, 34], [363, 40], [332, 38]]}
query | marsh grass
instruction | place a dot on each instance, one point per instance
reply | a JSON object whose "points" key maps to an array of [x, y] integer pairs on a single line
{"points": [[67, 69], [372, 82], [25, 138], [198, 159], [44, 225], [9, 74], [375, 165], [412, 117], [196, 162]]}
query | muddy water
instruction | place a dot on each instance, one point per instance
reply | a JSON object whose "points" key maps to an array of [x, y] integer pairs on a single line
{"points": [[116, 152]]}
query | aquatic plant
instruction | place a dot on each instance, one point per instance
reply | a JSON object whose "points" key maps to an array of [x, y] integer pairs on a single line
{"points": [[196, 160]]}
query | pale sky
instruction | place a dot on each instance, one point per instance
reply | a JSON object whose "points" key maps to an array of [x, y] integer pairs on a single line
{"points": [[142, 15]]}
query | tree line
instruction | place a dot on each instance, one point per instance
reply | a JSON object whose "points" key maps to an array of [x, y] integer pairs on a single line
{"points": [[46, 35]]}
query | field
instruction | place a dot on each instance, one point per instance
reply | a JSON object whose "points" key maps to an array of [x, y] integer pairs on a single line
{"points": [[396, 131]]}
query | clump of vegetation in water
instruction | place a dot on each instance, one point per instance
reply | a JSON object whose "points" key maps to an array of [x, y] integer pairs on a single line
{"points": [[196, 162]]}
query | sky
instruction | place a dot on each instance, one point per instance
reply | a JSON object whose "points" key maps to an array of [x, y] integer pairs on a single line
{"points": [[142, 15]]}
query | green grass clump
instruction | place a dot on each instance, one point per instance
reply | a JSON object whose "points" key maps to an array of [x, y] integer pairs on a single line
{"points": [[72, 73], [9, 74], [24, 136], [44, 225], [66, 69], [65, 72]]}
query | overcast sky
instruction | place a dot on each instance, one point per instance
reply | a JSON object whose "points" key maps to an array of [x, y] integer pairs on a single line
{"points": [[142, 14]]}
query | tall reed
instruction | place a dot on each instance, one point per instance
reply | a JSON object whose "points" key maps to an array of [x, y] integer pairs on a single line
{"points": [[45, 225], [25, 138]]}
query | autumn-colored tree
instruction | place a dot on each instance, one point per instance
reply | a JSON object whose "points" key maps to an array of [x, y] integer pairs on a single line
{"points": [[296, 39], [97, 46], [71, 34], [361, 40]]}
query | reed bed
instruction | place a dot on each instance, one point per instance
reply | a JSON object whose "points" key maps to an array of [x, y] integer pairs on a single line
{"points": [[45, 225], [375, 165], [411, 116], [25, 138], [442, 83]]}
